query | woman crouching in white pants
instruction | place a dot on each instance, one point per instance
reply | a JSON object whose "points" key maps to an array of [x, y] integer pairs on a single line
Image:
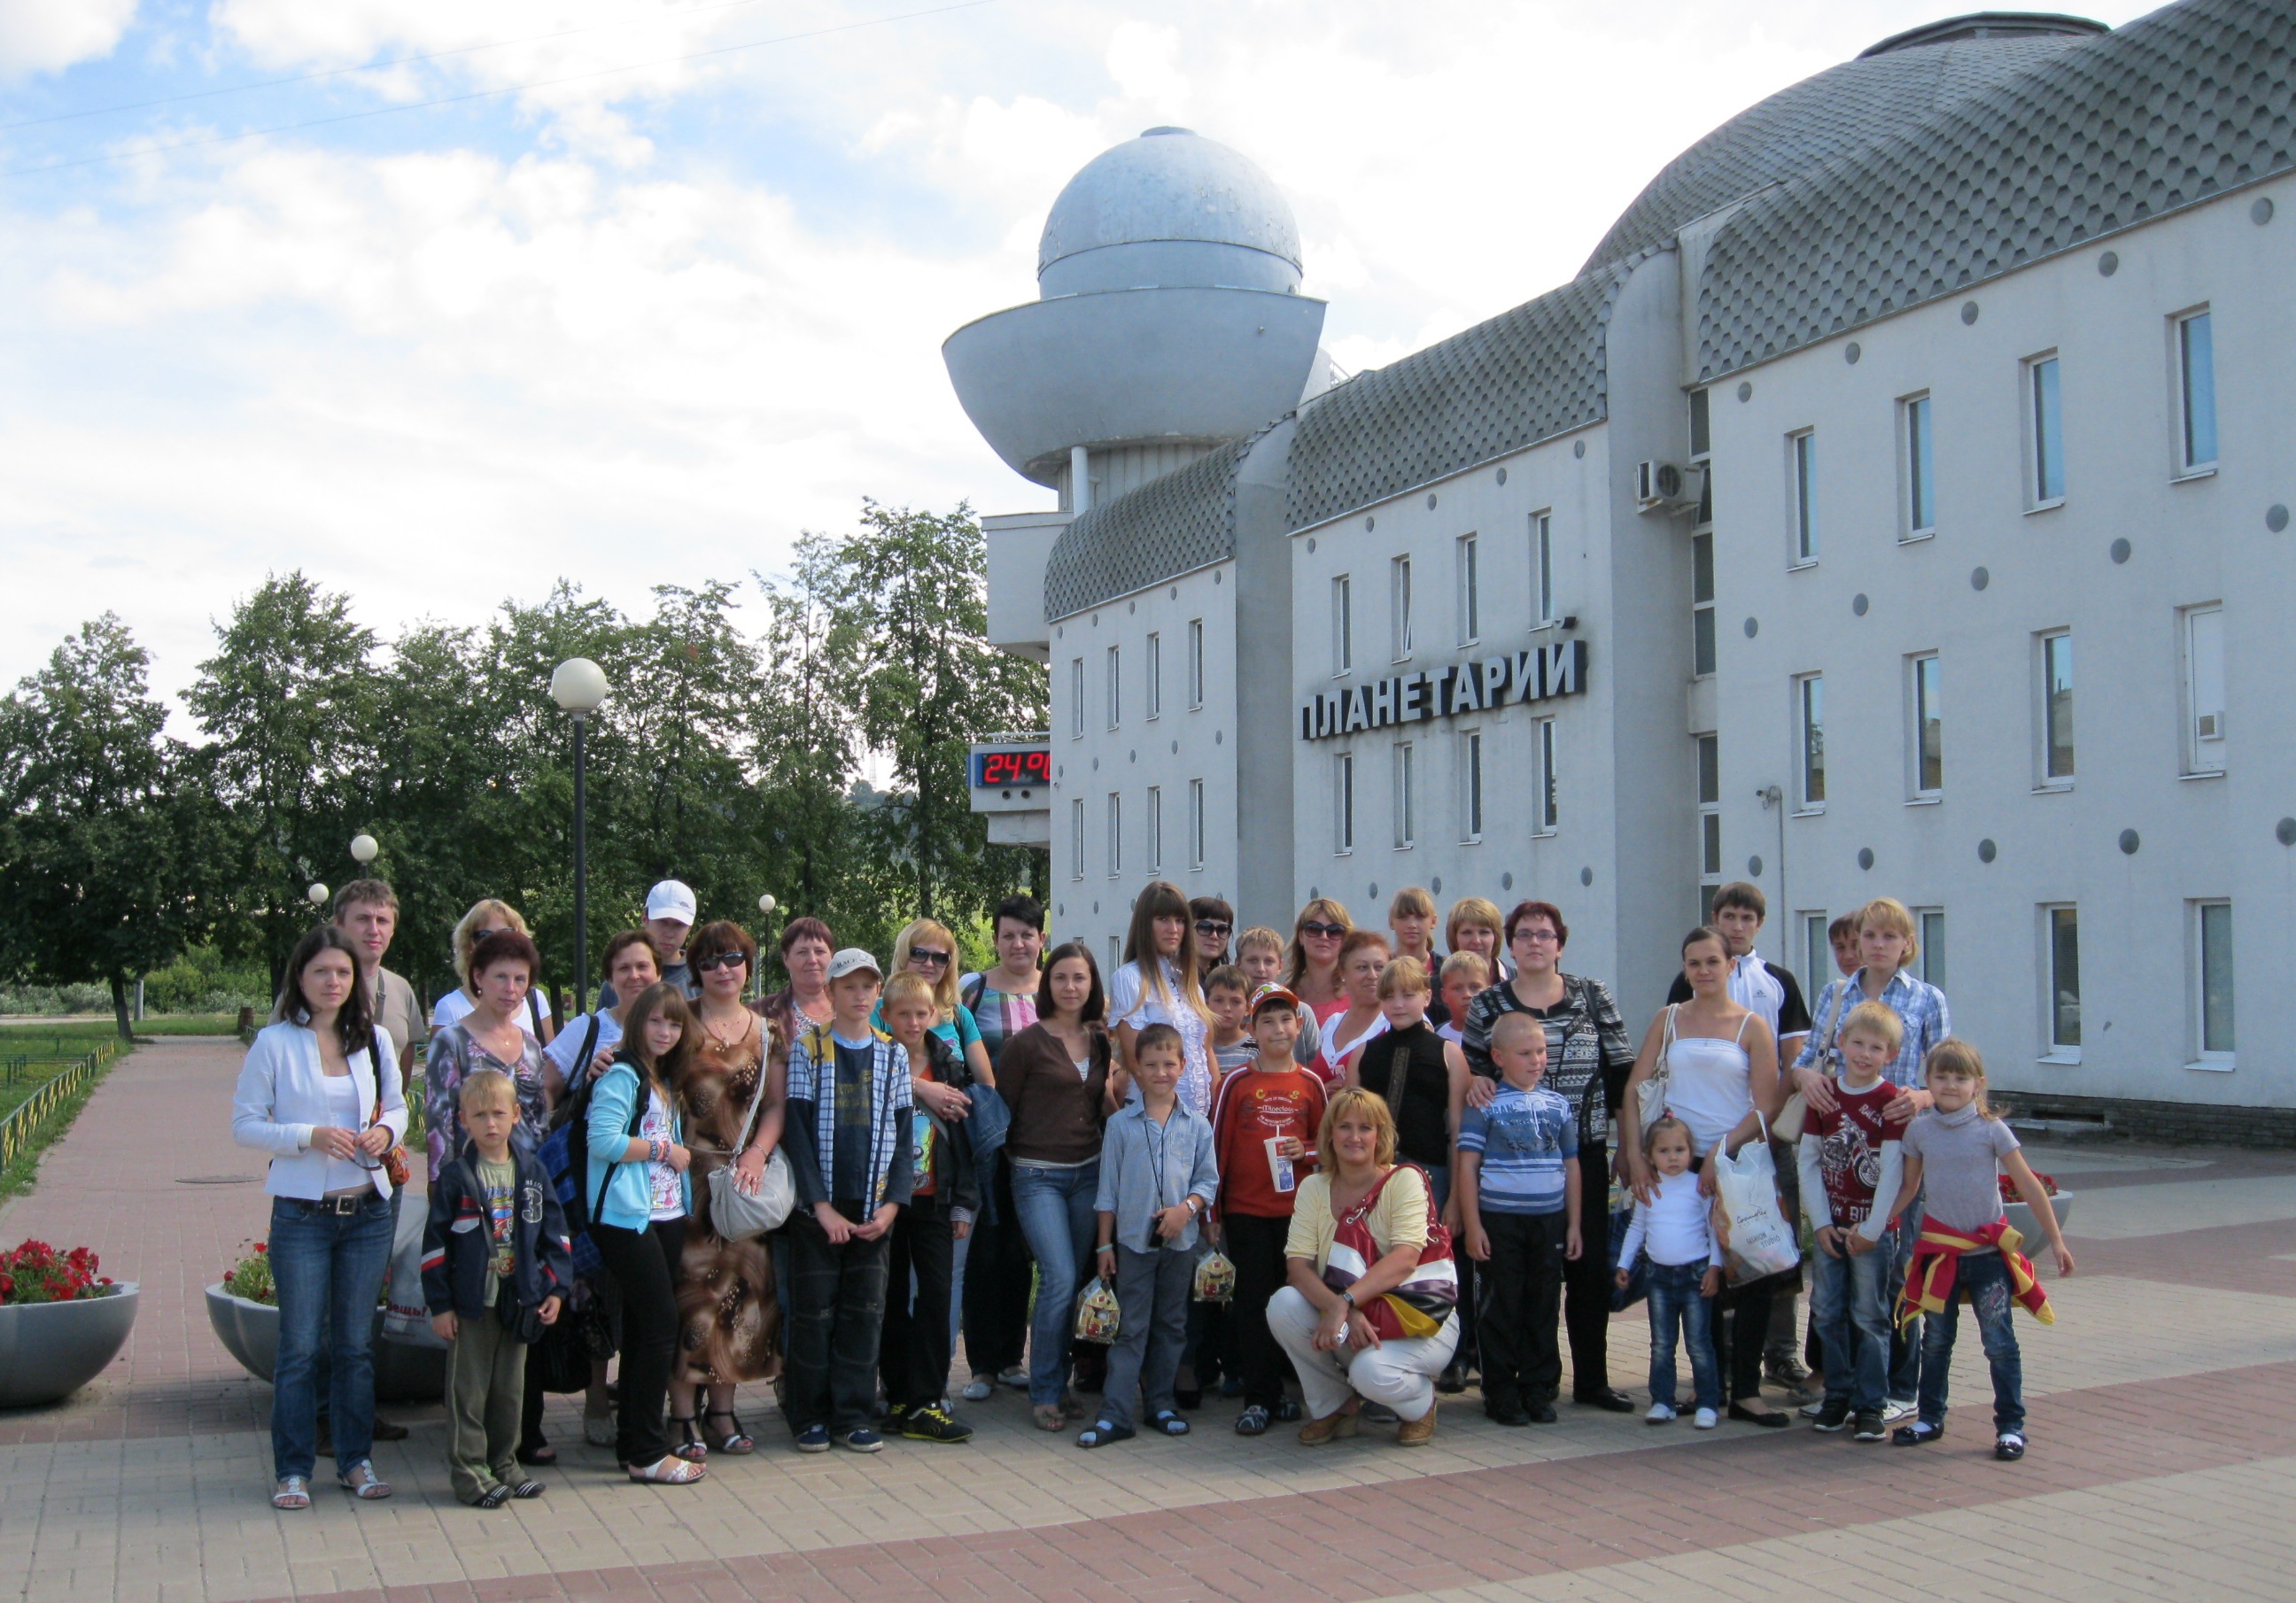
{"points": [[1367, 1316]]}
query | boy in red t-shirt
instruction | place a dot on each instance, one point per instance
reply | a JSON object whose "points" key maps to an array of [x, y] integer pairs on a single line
{"points": [[1851, 1170], [1264, 1124]]}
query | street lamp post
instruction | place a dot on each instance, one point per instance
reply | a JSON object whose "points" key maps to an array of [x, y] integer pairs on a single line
{"points": [[765, 905], [364, 849], [579, 686]]}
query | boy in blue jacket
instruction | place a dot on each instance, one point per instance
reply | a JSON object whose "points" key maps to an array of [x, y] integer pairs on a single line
{"points": [[496, 1266]]}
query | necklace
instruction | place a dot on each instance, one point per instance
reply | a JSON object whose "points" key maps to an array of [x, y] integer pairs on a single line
{"points": [[749, 1020]]}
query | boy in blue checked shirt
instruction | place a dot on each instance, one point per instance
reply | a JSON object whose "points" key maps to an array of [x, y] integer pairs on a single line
{"points": [[1518, 1191], [1157, 1177]]}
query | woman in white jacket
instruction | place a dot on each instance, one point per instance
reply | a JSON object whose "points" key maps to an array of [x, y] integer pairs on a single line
{"points": [[320, 1091]]}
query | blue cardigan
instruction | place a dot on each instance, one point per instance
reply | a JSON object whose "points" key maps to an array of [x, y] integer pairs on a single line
{"points": [[629, 1199]]}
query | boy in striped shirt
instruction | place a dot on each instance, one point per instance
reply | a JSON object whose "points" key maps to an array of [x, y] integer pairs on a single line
{"points": [[1518, 1191]]}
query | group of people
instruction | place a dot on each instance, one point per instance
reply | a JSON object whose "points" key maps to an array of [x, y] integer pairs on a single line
{"points": [[1335, 1175]]}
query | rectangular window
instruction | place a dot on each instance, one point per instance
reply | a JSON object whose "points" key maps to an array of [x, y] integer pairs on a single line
{"points": [[1470, 606], [1542, 568], [1343, 803], [2196, 390], [1702, 604], [1404, 800], [1115, 953], [2063, 930], [1921, 469], [1076, 699], [1546, 799], [1931, 923], [1710, 821], [1075, 838], [1195, 662], [1816, 952], [1115, 834], [1929, 727], [2205, 690], [1154, 675], [1470, 786], [1344, 627], [2057, 707], [2047, 421], [1801, 488], [1701, 434], [2212, 949], [1195, 823], [1810, 717], [1156, 828], [1399, 593], [1115, 686]]}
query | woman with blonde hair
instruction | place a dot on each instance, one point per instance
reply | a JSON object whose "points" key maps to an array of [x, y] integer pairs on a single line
{"points": [[488, 917], [1475, 926], [1160, 983], [929, 951]]}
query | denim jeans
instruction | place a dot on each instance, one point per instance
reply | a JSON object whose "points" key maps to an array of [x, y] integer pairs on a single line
{"points": [[1850, 1305], [837, 1293], [1905, 1341], [1056, 1215], [329, 1267], [1675, 1307], [1985, 1277]]}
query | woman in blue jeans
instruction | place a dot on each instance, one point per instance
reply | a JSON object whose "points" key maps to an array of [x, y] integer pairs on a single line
{"points": [[320, 1091], [1053, 1077]]}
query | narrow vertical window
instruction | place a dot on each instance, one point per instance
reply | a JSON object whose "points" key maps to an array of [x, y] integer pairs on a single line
{"points": [[2065, 979], [1075, 838], [1709, 822], [2214, 933], [1810, 716], [1343, 803], [2205, 690], [1195, 823], [1701, 434], [1115, 834], [1344, 627], [2048, 425], [1115, 686], [1547, 800], [1931, 938], [1702, 604], [1542, 568], [1471, 600], [1470, 786], [1929, 726], [1153, 676], [1115, 953], [1399, 585], [1817, 951], [1802, 468], [1156, 828], [1921, 469], [1195, 662], [2196, 383], [2057, 707], [1076, 699], [1405, 800]]}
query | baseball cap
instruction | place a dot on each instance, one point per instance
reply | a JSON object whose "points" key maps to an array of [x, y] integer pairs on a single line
{"points": [[1271, 993], [671, 899], [852, 960]]}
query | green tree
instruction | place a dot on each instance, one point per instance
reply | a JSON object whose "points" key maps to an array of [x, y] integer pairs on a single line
{"points": [[107, 829]]}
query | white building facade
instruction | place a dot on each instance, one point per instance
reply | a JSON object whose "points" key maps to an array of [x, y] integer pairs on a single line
{"points": [[1897, 503]]}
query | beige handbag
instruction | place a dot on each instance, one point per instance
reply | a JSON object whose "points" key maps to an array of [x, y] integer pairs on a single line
{"points": [[1650, 1104]]}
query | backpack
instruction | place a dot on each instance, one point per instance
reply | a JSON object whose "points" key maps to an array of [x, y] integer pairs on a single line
{"points": [[565, 1156]]}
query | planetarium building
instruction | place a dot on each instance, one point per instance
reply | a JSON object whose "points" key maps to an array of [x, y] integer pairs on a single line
{"points": [[1896, 503]]}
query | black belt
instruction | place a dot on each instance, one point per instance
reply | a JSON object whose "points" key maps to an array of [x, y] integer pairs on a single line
{"points": [[342, 1206]]}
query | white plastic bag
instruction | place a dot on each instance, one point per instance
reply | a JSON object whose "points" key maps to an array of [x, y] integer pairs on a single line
{"points": [[1756, 1241], [407, 1311]]}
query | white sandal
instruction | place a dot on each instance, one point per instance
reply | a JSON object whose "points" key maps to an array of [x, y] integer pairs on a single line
{"points": [[361, 1482], [294, 1491], [669, 1470]]}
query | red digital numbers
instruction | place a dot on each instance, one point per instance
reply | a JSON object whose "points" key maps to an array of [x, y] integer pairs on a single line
{"points": [[996, 768]]}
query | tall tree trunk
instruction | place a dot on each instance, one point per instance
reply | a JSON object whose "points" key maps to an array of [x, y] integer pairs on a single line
{"points": [[119, 1005]]}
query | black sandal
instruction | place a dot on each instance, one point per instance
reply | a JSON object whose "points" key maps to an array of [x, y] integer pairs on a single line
{"points": [[1774, 1419], [525, 1490], [2009, 1446], [735, 1441], [692, 1449], [1168, 1422], [494, 1496]]}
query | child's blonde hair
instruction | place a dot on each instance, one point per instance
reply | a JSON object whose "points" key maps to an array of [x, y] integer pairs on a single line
{"points": [[1955, 1056], [487, 1088], [1878, 1019], [1404, 976], [1258, 937], [1512, 1027], [908, 985], [1665, 1123], [1887, 913], [1469, 963]]}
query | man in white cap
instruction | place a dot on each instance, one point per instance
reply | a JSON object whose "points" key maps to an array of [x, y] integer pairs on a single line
{"points": [[670, 916]]}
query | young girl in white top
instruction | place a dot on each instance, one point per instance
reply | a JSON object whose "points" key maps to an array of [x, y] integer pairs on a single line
{"points": [[1675, 1227], [1159, 984]]}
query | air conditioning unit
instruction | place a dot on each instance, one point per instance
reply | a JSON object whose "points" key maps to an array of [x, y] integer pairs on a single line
{"points": [[1661, 487]]}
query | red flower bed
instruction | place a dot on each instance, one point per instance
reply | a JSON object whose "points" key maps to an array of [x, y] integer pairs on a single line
{"points": [[2009, 1186], [36, 1273]]}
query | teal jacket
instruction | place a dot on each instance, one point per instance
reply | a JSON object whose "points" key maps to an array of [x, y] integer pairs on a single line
{"points": [[613, 1104]]}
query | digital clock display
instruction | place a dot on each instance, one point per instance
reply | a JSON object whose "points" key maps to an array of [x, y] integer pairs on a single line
{"points": [[994, 770]]}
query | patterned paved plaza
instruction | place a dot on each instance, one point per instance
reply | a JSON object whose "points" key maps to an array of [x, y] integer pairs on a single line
{"points": [[2164, 1460]]}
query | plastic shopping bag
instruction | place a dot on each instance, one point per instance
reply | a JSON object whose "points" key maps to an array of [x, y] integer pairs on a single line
{"points": [[1215, 1278], [1097, 1314], [406, 1311], [1757, 1240]]}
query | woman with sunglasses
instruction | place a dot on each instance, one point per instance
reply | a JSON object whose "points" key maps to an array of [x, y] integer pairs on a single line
{"points": [[1312, 974], [1212, 921], [729, 1314], [485, 918], [928, 950]]}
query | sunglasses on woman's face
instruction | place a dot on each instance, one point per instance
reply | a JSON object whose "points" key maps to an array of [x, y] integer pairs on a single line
{"points": [[721, 959], [924, 957], [1329, 930], [1213, 926]]}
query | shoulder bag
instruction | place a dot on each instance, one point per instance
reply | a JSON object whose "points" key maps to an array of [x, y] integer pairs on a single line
{"points": [[740, 1216], [394, 1162], [1650, 1101]]}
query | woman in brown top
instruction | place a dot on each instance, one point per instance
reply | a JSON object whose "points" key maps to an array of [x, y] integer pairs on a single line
{"points": [[1053, 1077], [729, 1316]]}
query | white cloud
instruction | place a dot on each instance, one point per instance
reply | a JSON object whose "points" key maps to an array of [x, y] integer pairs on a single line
{"points": [[47, 36]]}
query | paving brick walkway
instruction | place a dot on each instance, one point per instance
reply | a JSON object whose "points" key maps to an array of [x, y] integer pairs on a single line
{"points": [[2163, 1461]]}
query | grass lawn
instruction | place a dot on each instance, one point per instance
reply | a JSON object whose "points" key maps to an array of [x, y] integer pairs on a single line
{"points": [[17, 1028]]}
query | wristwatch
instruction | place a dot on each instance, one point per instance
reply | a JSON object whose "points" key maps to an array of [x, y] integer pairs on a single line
{"points": [[1348, 1298]]}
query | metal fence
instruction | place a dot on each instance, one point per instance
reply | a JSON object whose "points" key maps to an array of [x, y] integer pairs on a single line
{"points": [[56, 1077]]}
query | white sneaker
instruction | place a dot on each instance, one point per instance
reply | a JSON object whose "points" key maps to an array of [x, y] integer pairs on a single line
{"points": [[1893, 1410], [1660, 1413], [1706, 1418], [1016, 1377], [980, 1389]]}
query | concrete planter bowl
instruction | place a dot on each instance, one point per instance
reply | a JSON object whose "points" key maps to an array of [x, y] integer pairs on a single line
{"points": [[2037, 1242], [249, 1332], [50, 1350]]}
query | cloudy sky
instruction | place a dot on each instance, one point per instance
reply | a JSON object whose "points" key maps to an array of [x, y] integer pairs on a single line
{"points": [[439, 301]]}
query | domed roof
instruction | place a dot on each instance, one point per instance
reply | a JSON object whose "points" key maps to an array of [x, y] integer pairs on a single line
{"points": [[1169, 184], [1845, 109]]}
